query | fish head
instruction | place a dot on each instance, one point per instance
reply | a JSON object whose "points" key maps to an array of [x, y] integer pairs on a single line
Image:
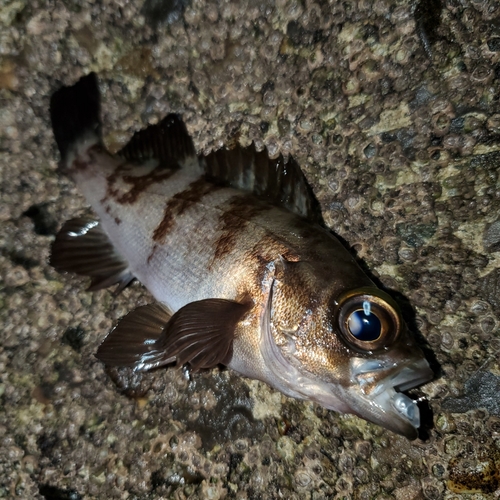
{"points": [[345, 348]]}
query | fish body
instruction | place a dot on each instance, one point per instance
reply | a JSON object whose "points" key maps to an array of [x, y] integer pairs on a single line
{"points": [[243, 275]]}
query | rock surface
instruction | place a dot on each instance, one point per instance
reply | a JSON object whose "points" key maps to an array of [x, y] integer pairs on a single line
{"points": [[393, 112]]}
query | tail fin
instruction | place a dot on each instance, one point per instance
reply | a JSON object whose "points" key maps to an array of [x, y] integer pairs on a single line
{"points": [[75, 116]]}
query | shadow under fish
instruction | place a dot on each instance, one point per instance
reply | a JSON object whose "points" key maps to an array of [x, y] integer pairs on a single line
{"points": [[232, 248]]}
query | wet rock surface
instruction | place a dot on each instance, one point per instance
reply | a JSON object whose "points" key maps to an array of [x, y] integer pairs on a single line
{"points": [[395, 121]]}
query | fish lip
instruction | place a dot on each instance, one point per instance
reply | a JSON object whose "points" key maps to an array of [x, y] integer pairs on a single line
{"points": [[374, 376], [382, 383]]}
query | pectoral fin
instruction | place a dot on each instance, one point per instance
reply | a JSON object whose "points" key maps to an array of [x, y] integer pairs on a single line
{"points": [[82, 247], [200, 333]]}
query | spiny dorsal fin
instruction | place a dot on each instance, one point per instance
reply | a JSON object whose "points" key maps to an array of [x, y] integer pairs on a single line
{"points": [[168, 141], [279, 181]]}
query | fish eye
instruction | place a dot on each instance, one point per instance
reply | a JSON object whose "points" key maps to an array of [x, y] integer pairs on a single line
{"points": [[365, 327], [368, 319]]}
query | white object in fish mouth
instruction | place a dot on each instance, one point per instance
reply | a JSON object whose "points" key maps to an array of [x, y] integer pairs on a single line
{"points": [[407, 408]]}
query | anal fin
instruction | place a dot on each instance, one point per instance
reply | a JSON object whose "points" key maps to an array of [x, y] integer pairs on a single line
{"points": [[133, 341], [201, 334], [82, 247]]}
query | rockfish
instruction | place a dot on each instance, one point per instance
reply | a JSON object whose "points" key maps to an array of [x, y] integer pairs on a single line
{"points": [[232, 248]]}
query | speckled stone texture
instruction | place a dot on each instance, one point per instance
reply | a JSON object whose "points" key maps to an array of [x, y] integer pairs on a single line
{"points": [[392, 110]]}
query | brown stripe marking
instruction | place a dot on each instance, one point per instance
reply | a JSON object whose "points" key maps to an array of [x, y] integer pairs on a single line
{"points": [[177, 205], [242, 209], [139, 183]]}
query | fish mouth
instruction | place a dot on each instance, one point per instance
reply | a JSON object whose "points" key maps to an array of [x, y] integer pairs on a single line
{"points": [[381, 384]]}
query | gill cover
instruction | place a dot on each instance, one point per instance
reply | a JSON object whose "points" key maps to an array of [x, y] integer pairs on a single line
{"points": [[351, 353], [285, 373]]}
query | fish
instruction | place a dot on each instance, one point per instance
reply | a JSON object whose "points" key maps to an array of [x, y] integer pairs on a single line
{"points": [[243, 271]]}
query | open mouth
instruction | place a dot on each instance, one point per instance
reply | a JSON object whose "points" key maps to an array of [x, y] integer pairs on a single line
{"points": [[383, 383]]}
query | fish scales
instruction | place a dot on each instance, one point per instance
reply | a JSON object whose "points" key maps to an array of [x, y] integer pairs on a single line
{"points": [[243, 275], [146, 230], [235, 228]]}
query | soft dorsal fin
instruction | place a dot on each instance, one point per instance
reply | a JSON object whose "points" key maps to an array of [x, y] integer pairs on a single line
{"points": [[168, 141], [279, 181]]}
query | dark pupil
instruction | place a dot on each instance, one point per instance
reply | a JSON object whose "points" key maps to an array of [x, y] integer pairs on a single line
{"points": [[366, 327]]}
